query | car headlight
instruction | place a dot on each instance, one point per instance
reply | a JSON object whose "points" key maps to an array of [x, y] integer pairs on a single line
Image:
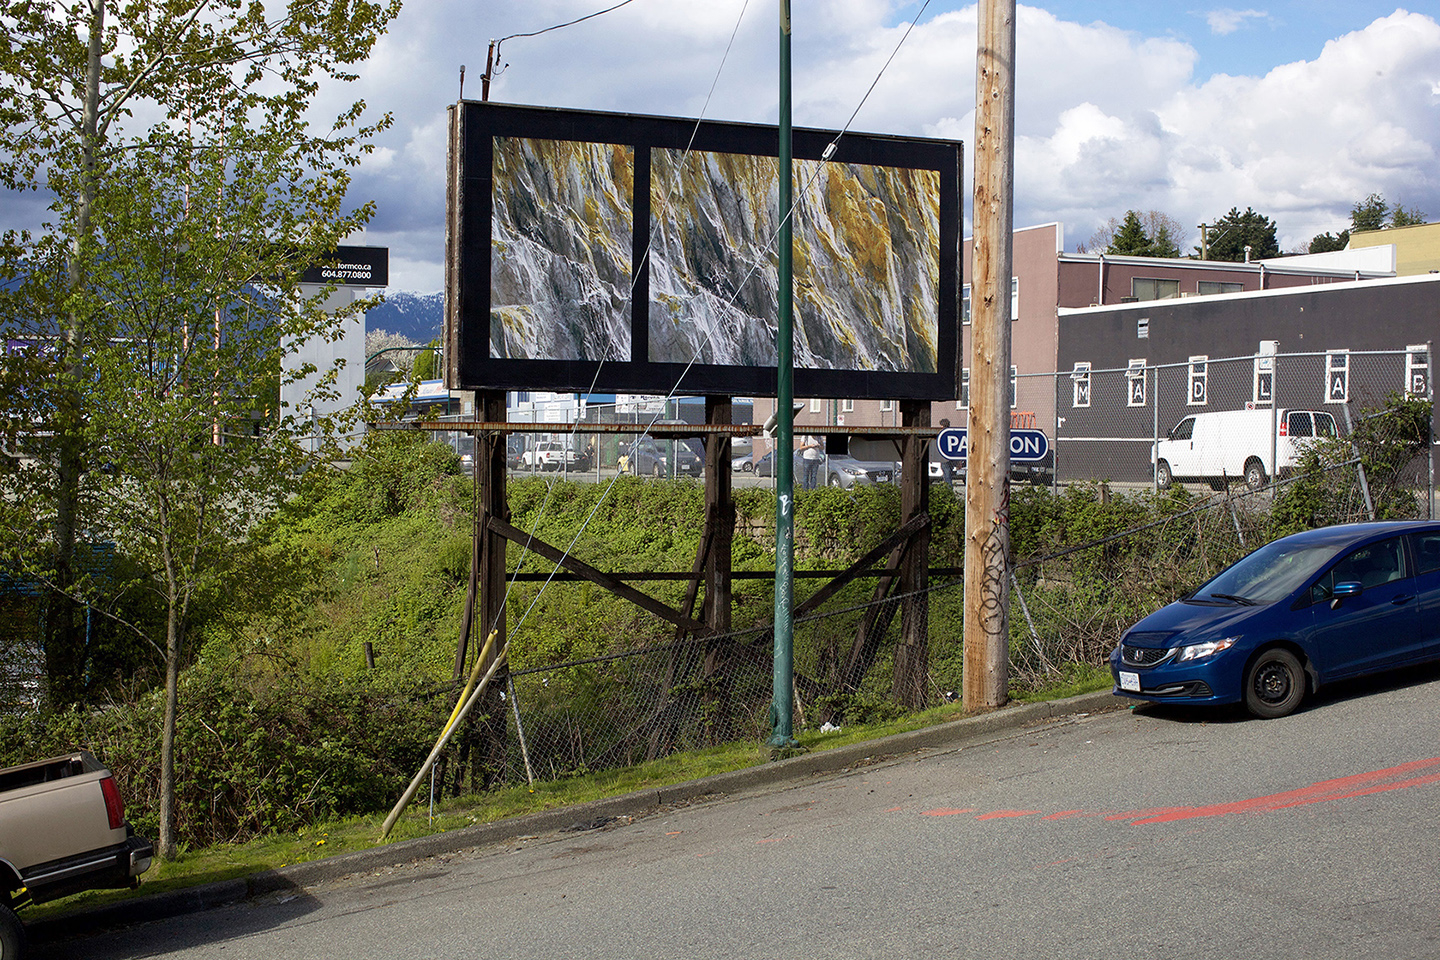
{"points": [[1199, 651]]}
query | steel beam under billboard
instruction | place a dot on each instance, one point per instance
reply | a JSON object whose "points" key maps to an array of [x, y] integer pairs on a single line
{"points": [[592, 251]]}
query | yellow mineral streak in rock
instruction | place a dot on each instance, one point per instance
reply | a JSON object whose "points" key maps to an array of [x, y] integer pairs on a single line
{"points": [[861, 221]]}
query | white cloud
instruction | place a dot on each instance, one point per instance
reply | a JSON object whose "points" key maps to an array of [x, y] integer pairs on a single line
{"points": [[1226, 21], [1107, 119]]}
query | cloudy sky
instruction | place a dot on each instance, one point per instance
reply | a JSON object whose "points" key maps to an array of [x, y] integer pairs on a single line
{"points": [[1298, 108]]}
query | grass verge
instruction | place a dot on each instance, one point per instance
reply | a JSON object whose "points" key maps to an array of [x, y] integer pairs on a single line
{"points": [[231, 861]]}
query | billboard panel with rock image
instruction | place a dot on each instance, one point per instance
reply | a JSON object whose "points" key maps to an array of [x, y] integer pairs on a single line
{"points": [[624, 253]]}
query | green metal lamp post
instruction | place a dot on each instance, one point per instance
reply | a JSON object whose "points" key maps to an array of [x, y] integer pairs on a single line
{"points": [[782, 704]]}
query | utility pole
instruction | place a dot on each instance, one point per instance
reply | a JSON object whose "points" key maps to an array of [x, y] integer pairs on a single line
{"points": [[782, 702], [987, 488], [489, 72], [1204, 249]]}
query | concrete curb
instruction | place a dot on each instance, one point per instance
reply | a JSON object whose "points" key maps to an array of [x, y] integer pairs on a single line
{"points": [[296, 878]]}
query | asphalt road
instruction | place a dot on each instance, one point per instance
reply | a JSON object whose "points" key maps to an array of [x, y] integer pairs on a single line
{"points": [[1145, 833]]}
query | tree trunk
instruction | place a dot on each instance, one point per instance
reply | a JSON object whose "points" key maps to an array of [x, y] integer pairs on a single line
{"points": [[166, 849], [65, 646]]}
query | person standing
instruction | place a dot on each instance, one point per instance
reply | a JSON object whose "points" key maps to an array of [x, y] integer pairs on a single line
{"points": [[810, 455]]}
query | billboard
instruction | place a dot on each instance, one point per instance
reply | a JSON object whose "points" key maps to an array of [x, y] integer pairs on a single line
{"points": [[591, 251], [351, 266]]}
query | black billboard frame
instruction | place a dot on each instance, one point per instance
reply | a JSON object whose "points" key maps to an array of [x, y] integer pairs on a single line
{"points": [[469, 366]]}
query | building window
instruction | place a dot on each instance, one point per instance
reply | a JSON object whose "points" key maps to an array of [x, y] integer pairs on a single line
{"points": [[1135, 383], [1263, 391], [1417, 371], [1144, 288], [886, 406], [847, 406], [816, 405], [1142, 328], [1337, 376], [1080, 382], [1208, 288], [1199, 382], [1014, 301], [1014, 384], [964, 402]]}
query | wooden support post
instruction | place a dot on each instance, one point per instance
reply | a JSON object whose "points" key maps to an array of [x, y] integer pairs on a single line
{"points": [[720, 519], [491, 505], [720, 516], [912, 656]]}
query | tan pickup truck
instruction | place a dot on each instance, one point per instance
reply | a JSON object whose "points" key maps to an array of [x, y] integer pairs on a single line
{"points": [[62, 830]]}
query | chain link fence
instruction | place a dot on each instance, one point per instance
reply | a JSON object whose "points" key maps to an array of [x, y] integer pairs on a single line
{"points": [[1349, 438]]}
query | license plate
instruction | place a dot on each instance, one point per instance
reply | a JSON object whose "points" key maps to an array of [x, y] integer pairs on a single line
{"points": [[1130, 681]]}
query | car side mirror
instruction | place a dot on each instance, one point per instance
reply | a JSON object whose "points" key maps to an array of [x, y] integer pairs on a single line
{"points": [[1350, 588]]}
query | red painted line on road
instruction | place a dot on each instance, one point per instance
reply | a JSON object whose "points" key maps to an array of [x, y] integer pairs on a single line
{"points": [[1416, 773], [1342, 788], [944, 811], [894, 809]]}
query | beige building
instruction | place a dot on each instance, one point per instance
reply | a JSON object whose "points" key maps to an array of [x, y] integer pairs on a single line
{"points": [[1417, 248]]}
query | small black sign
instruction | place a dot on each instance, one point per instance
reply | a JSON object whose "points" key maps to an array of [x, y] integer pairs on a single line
{"points": [[353, 267]]}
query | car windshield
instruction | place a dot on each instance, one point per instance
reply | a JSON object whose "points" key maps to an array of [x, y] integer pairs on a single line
{"points": [[1271, 573]]}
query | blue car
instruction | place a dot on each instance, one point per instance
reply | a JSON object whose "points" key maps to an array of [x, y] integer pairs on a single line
{"points": [[1302, 611]]}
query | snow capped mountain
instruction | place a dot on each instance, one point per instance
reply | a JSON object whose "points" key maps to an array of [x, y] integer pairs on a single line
{"points": [[418, 317]]}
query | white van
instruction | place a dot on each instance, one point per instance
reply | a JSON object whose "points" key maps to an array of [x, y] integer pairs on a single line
{"points": [[1230, 444]]}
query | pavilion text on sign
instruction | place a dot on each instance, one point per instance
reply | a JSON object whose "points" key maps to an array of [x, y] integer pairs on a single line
{"points": [[1026, 446]]}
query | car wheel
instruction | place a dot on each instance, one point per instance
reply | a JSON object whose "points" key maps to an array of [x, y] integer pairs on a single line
{"points": [[1274, 684], [1255, 474], [658, 473], [12, 935], [747, 467], [834, 480], [1163, 477]]}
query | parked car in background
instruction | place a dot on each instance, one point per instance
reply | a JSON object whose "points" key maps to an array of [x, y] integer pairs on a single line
{"points": [[515, 451], [845, 471], [551, 455], [648, 457], [1233, 444], [644, 458], [688, 458], [1302, 611], [765, 466], [743, 464], [1040, 473]]}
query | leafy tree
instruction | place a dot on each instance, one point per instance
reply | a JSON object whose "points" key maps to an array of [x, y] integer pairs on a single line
{"points": [[427, 363], [1406, 218], [1130, 237], [1375, 213], [165, 286], [1388, 444], [1154, 234], [1372, 213], [1327, 242], [1228, 237]]}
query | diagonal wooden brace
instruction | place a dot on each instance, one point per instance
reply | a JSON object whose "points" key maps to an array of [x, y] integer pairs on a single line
{"points": [[582, 569]]}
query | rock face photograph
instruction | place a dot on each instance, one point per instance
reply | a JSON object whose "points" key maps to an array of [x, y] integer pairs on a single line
{"points": [[560, 251], [867, 274]]}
